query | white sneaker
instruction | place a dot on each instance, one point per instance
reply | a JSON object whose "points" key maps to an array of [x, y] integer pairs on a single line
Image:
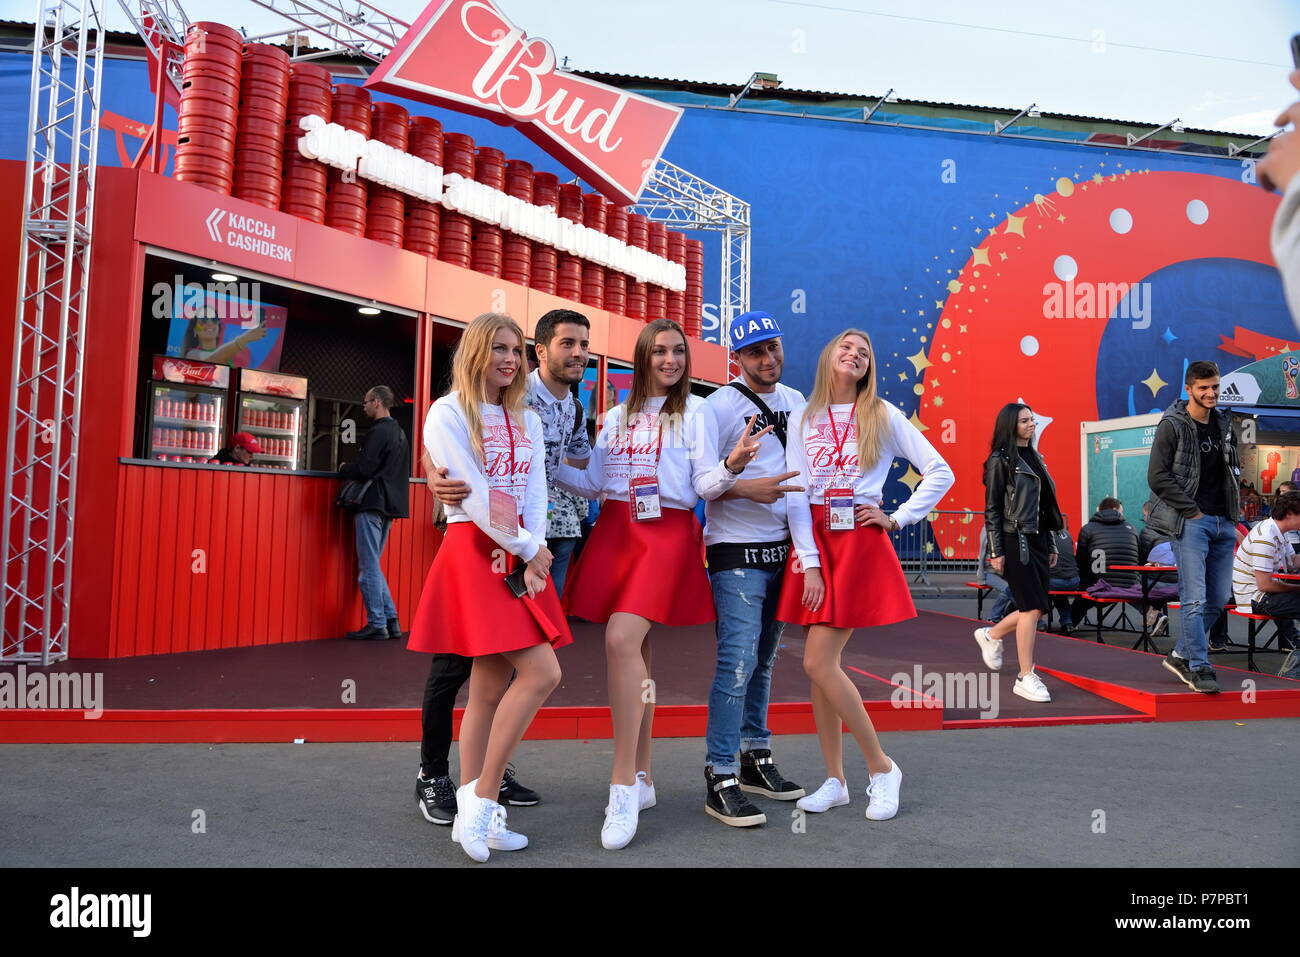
{"points": [[647, 791], [499, 837], [474, 817], [990, 648], [1031, 687], [882, 793], [620, 816], [834, 793]]}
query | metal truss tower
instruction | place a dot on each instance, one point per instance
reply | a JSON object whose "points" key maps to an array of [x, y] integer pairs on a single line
{"points": [[44, 422]]}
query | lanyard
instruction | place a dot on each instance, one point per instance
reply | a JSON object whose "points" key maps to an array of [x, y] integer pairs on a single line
{"points": [[511, 436], [659, 444], [839, 442]]}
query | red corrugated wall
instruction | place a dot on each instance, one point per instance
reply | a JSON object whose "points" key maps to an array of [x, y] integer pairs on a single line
{"points": [[223, 559]]}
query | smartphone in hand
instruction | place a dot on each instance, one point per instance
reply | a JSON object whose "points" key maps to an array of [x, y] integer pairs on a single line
{"points": [[515, 582]]}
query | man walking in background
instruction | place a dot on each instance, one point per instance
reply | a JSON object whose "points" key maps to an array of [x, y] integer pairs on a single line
{"points": [[385, 462]]}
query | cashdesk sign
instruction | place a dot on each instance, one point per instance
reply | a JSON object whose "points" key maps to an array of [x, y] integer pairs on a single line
{"points": [[466, 55]]}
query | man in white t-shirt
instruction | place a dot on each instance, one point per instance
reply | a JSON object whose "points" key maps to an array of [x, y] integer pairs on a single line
{"points": [[1261, 554], [747, 540]]}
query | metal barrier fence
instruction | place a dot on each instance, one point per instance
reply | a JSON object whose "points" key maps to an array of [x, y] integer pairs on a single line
{"points": [[943, 541]]}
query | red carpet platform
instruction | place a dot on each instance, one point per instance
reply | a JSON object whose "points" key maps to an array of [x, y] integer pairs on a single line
{"points": [[925, 674]]}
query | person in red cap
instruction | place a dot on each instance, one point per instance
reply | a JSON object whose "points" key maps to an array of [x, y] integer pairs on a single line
{"points": [[240, 451]]}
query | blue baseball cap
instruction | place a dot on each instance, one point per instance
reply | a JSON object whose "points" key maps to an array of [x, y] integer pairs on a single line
{"points": [[753, 327]]}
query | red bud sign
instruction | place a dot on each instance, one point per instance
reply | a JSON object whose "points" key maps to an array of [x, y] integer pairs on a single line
{"points": [[467, 56]]}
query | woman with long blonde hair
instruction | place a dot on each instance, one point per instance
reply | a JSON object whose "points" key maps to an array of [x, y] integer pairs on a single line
{"points": [[843, 448], [495, 542], [655, 458]]}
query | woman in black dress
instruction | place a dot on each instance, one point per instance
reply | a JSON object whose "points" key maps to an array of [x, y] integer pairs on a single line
{"points": [[1020, 514]]}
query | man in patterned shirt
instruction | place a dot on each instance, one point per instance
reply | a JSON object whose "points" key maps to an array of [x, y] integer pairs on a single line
{"points": [[562, 338]]}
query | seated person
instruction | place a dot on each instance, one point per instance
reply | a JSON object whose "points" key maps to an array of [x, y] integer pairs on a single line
{"points": [[1065, 577], [1002, 603], [1106, 541], [1264, 552]]}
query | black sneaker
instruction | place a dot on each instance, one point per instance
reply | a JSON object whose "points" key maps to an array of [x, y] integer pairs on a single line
{"points": [[758, 775], [1179, 667], [436, 799], [1204, 681], [394, 628], [514, 793], [370, 632], [1217, 644], [727, 802]]}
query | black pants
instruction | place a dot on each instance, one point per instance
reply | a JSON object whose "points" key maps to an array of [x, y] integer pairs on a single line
{"points": [[1284, 606], [447, 674]]}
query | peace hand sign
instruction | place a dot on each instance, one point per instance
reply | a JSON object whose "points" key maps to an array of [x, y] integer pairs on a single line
{"points": [[747, 446]]}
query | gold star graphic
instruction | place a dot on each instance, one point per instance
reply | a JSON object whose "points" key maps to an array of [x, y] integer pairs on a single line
{"points": [[938, 400], [1061, 218], [919, 361], [934, 383], [981, 256], [1096, 177], [911, 478], [938, 304], [961, 328], [1004, 256], [918, 424], [1016, 225], [1154, 382], [954, 285]]}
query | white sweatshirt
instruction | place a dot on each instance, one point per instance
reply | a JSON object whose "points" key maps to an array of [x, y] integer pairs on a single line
{"points": [[446, 437], [812, 452], [689, 465]]}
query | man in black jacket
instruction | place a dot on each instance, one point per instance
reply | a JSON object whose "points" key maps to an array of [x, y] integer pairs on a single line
{"points": [[1194, 475], [1106, 541], [384, 460]]}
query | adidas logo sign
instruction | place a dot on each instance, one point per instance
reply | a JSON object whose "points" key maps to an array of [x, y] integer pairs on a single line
{"points": [[1232, 392]]}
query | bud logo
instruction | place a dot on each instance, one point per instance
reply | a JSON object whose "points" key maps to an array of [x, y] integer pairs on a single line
{"points": [[467, 56]]}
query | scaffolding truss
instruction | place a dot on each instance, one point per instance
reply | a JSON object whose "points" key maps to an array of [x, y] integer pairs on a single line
{"points": [[357, 27], [44, 422], [684, 201]]}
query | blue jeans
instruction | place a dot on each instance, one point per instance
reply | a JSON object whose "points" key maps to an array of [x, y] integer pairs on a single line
{"points": [[1062, 602], [372, 535], [1205, 551], [561, 552], [748, 638], [1002, 603]]}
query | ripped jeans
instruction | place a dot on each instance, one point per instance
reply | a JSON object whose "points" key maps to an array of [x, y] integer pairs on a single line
{"points": [[748, 638]]}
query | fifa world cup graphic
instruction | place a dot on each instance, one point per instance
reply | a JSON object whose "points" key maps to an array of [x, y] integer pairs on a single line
{"points": [[1290, 369]]}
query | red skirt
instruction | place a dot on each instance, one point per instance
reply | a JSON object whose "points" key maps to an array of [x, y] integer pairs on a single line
{"points": [[652, 569], [467, 609], [865, 585]]}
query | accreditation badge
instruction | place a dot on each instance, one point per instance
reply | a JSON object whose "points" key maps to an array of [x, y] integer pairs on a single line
{"points": [[643, 498], [839, 509], [503, 512]]}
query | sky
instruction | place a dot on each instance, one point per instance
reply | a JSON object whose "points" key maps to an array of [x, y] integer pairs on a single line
{"points": [[1220, 66]]}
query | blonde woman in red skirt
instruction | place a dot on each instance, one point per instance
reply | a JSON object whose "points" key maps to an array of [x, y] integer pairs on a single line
{"points": [[644, 563], [844, 446], [482, 434]]}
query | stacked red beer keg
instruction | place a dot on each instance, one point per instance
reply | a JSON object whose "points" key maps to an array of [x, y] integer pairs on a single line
{"points": [[517, 251], [209, 108], [490, 170], [386, 207], [345, 205], [638, 236], [544, 274], [259, 140], [305, 180], [455, 242], [693, 303], [593, 274], [616, 282], [568, 274], [656, 296], [676, 301], [422, 217]]}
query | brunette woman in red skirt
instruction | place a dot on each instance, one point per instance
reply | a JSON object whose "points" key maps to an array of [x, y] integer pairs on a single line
{"points": [[644, 563], [843, 448], [482, 434]]}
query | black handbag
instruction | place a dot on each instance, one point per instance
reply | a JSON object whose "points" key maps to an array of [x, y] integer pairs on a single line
{"points": [[352, 493]]}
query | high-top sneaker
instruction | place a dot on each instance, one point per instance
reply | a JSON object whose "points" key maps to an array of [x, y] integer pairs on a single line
{"points": [[725, 800], [758, 775]]}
